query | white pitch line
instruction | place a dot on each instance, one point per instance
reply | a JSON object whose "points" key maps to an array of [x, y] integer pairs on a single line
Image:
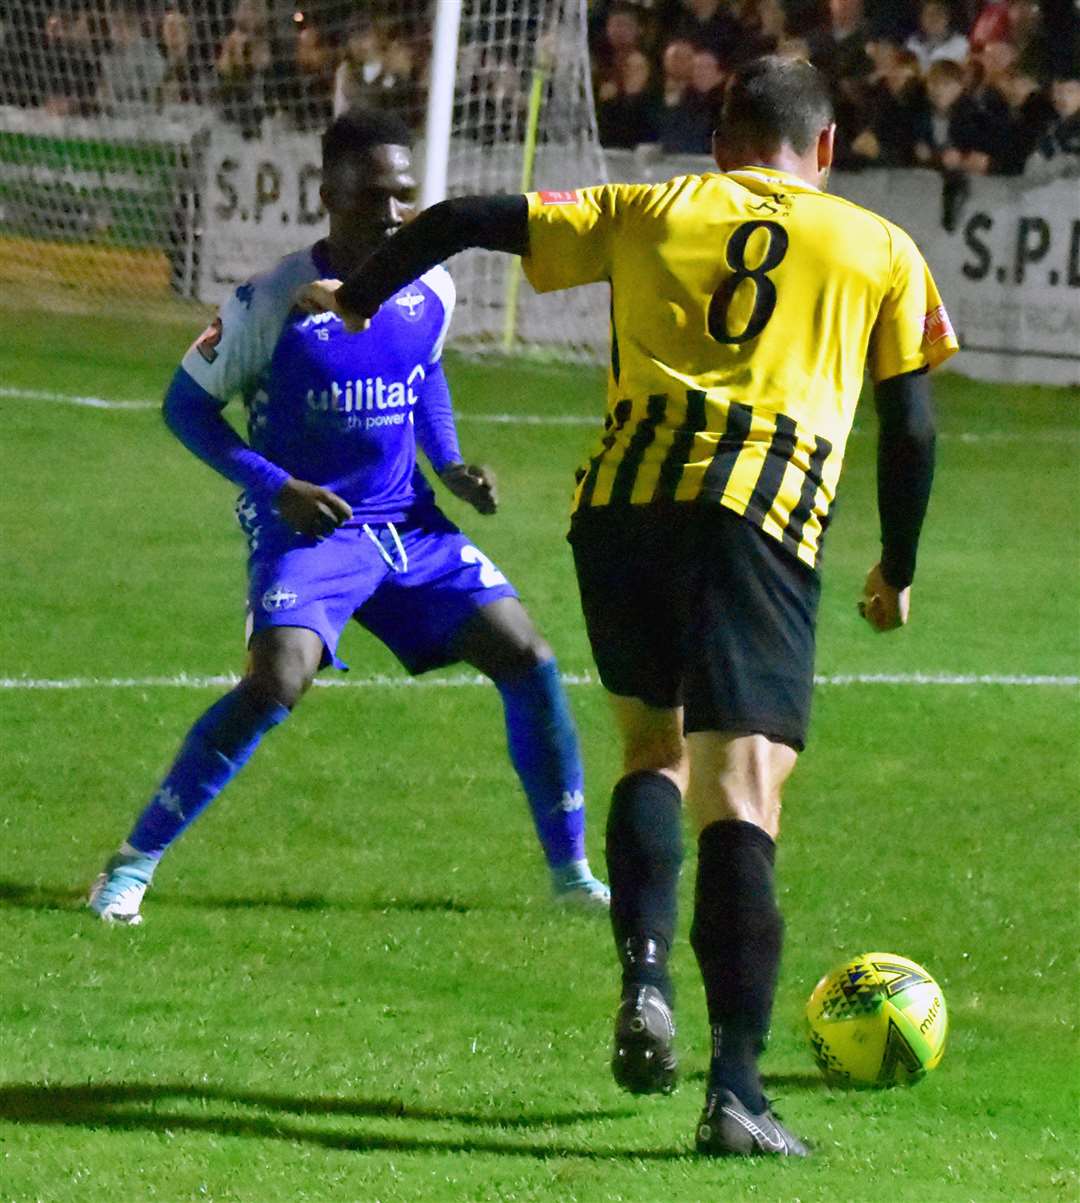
{"points": [[37, 394], [1049, 434], [467, 680]]}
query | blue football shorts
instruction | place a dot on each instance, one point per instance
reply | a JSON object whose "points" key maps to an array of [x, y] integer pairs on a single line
{"points": [[412, 584]]}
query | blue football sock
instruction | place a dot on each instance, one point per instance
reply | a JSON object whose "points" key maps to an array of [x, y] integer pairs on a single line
{"points": [[543, 746], [216, 749]]}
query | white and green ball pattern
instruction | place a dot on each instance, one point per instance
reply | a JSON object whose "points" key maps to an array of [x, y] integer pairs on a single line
{"points": [[877, 1020]]}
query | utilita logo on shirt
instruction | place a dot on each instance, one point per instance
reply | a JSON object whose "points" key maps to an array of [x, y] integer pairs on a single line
{"points": [[368, 402]]}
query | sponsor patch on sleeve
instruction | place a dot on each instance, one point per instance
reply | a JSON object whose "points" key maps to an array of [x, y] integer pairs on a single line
{"points": [[206, 343], [936, 326], [565, 197]]}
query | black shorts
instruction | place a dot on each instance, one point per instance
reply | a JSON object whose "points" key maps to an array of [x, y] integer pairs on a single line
{"points": [[692, 605]]}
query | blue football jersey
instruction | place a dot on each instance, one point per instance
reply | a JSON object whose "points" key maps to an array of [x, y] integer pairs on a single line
{"points": [[327, 406]]}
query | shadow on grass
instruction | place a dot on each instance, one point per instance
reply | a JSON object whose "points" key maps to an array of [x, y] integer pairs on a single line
{"points": [[133, 1107], [772, 1082], [19, 896]]}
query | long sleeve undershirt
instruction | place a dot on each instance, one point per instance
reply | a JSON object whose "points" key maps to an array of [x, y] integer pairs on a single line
{"points": [[194, 417], [436, 432], [492, 223], [905, 470]]}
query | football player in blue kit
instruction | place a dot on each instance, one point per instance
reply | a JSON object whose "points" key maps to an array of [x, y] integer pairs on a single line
{"points": [[341, 523]]}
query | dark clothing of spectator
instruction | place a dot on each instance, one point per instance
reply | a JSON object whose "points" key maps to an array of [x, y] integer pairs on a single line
{"points": [[983, 128], [721, 33], [686, 128], [846, 65], [1057, 155], [842, 58], [1021, 133], [625, 121], [896, 120], [960, 128], [895, 20]]}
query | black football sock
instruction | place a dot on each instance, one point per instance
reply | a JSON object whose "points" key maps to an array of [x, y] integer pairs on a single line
{"points": [[736, 935], [644, 855]]}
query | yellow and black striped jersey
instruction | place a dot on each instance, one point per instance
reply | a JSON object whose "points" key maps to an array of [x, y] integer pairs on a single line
{"points": [[744, 308]]}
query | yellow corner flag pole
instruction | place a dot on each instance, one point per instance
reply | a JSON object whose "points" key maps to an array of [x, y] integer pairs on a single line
{"points": [[528, 161]]}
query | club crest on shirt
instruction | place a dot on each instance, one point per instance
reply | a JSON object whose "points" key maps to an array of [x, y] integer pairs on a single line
{"points": [[410, 303], [277, 597]]}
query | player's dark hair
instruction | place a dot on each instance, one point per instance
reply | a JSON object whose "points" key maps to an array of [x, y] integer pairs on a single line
{"points": [[771, 101], [356, 131]]}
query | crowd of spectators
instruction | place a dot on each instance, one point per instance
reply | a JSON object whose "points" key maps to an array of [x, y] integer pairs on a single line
{"points": [[968, 86], [252, 59], [987, 87]]}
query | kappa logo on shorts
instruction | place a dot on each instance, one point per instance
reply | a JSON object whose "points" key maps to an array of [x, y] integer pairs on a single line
{"points": [[278, 598], [410, 303]]}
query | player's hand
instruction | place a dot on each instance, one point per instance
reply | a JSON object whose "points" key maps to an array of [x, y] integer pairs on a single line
{"points": [[309, 509], [472, 483], [320, 296], [884, 607]]}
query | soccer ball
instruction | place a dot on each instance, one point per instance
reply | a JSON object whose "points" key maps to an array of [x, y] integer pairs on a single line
{"points": [[878, 1020]]}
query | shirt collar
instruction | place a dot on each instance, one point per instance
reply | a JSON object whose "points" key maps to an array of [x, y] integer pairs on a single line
{"points": [[772, 173]]}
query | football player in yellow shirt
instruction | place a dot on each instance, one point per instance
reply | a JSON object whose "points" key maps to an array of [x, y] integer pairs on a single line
{"points": [[745, 305]]}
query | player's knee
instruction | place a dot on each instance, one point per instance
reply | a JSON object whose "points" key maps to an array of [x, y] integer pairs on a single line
{"points": [[282, 683]]}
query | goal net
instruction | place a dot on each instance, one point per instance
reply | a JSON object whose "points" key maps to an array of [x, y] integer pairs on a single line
{"points": [[154, 155]]}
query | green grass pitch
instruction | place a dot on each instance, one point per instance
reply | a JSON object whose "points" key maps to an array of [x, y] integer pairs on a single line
{"points": [[351, 985]]}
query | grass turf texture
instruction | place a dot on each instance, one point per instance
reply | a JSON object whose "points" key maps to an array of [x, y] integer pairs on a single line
{"points": [[351, 984]]}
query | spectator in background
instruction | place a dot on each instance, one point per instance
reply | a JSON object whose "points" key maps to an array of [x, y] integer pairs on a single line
{"points": [[710, 25], [1028, 33], [677, 66], [687, 127], [242, 64], [310, 84], [840, 50], [67, 68], [896, 111], [840, 53], [950, 125], [496, 107], [936, 38], [398, 90], [1028, 118], [181, 83], [1057, 155], [626, 109], [990, 115], [357, 76], [764, 28], [621, 36], [132, 69]]}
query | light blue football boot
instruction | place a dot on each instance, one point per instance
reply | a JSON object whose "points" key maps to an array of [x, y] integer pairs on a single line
{"points": [[573, 884], [117, 893]]}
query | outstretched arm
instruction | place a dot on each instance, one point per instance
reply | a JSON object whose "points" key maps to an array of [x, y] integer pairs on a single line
{"points": [[905, 472], [492, 223]]}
